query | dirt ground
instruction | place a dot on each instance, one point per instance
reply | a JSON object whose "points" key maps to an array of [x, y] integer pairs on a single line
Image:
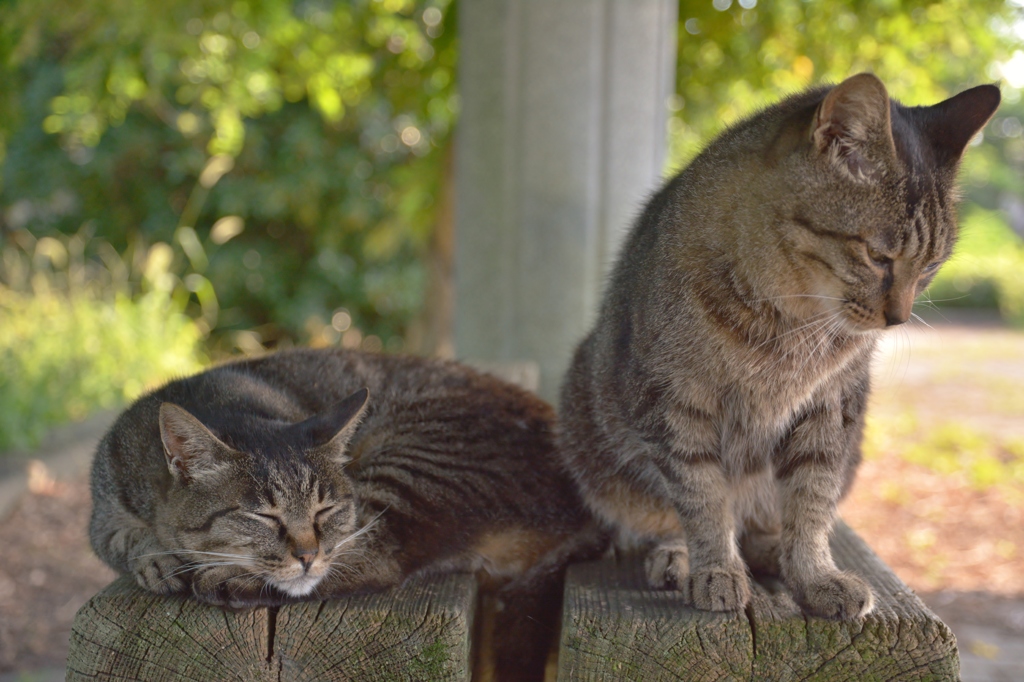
{"points": [[956, 537], [958, 543], [47, 571]]}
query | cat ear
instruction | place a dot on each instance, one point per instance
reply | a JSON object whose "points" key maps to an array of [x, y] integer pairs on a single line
{"points": [[190, 447], [951, 124], [331, 430], [853, 127]]}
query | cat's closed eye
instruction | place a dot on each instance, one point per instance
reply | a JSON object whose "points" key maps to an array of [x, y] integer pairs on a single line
{"points": [[326, 512], [273, 519], [877, 258]]}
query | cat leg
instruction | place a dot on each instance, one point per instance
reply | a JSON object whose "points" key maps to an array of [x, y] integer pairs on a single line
{"points": [[155, 568], [717, 579], [810, 493], [128, 544], [812, 475]]}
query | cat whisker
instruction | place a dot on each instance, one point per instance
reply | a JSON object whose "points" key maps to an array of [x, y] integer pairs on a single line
{"points": [[175, 573], [250, 565], [196, 551], [789, 349], [343, 571], [778, 298], [347, 563], [187, 568], [813, 321], [901, 356], [921, 320], [170, 551], [348, 555], [240, 576], [828, 327], [828, 331], [362, 531], [255, 578], [926, 302], [906, 367], [944, 300]]}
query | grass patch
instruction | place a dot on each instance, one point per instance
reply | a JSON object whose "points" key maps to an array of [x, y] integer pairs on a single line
{"points": [[79, 335], [953, 448], [985, 270]]}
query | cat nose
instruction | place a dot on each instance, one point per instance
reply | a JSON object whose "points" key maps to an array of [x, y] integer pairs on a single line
{"points": [[305, 557], [897, 308], [893, 320]]}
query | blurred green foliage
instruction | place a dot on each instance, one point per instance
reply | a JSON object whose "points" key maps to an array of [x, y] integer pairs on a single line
{"points": [[77, 335], [986, 268], [285, 156], [985, 459], [737, 56], [291, 150], [312, 131], [957, 448]]}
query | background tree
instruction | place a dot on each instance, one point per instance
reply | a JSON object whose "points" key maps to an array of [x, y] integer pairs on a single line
{"points": [[279, 164], [290, 151]]}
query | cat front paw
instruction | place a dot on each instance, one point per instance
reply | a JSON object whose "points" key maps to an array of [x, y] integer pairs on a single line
{"points": [[718, 588], [667, 566], [162, 574], [218, 586], [233, 590], [839, 596]]}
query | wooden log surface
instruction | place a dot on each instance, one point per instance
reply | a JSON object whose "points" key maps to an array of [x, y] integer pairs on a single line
{"points": [[419, 631], [615, 628]]}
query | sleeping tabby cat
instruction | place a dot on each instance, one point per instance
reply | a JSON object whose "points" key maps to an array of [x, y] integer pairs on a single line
{"points": [[717, 405], [274, 479]]}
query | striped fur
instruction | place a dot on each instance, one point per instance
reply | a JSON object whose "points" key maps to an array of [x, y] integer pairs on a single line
{"points": [[445, 470], [718, 403]]}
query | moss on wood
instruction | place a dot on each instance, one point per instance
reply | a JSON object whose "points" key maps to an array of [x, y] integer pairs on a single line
{"points": [[615, 628], [420, 631]]}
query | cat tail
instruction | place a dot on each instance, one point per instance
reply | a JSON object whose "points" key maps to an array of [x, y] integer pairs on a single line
{"points": [[528, 609]]}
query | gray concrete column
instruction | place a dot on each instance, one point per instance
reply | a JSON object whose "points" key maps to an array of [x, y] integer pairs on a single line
{"points": [[560, 141]]}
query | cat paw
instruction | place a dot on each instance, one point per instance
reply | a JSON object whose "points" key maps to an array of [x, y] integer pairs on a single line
{"points": [[839, 596], [160, 574], [719, 588], [667, 565], [224, 587], [216, 586]]}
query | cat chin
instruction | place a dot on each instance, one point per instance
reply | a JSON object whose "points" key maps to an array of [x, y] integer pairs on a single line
{"points": [[297, 587]]}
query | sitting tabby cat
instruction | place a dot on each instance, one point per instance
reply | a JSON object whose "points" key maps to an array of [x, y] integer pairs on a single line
{"points": [[718, 403], [274, 479]]}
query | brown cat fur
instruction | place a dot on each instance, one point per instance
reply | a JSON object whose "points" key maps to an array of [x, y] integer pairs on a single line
{"points": [[719, 401], [274, 479]]}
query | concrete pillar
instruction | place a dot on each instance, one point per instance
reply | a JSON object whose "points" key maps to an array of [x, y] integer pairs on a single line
{"points": [[560, 141]]}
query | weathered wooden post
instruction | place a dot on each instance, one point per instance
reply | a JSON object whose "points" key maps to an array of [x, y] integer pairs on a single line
{"points": [[419, 631], [615, 628], [560, 140]]}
